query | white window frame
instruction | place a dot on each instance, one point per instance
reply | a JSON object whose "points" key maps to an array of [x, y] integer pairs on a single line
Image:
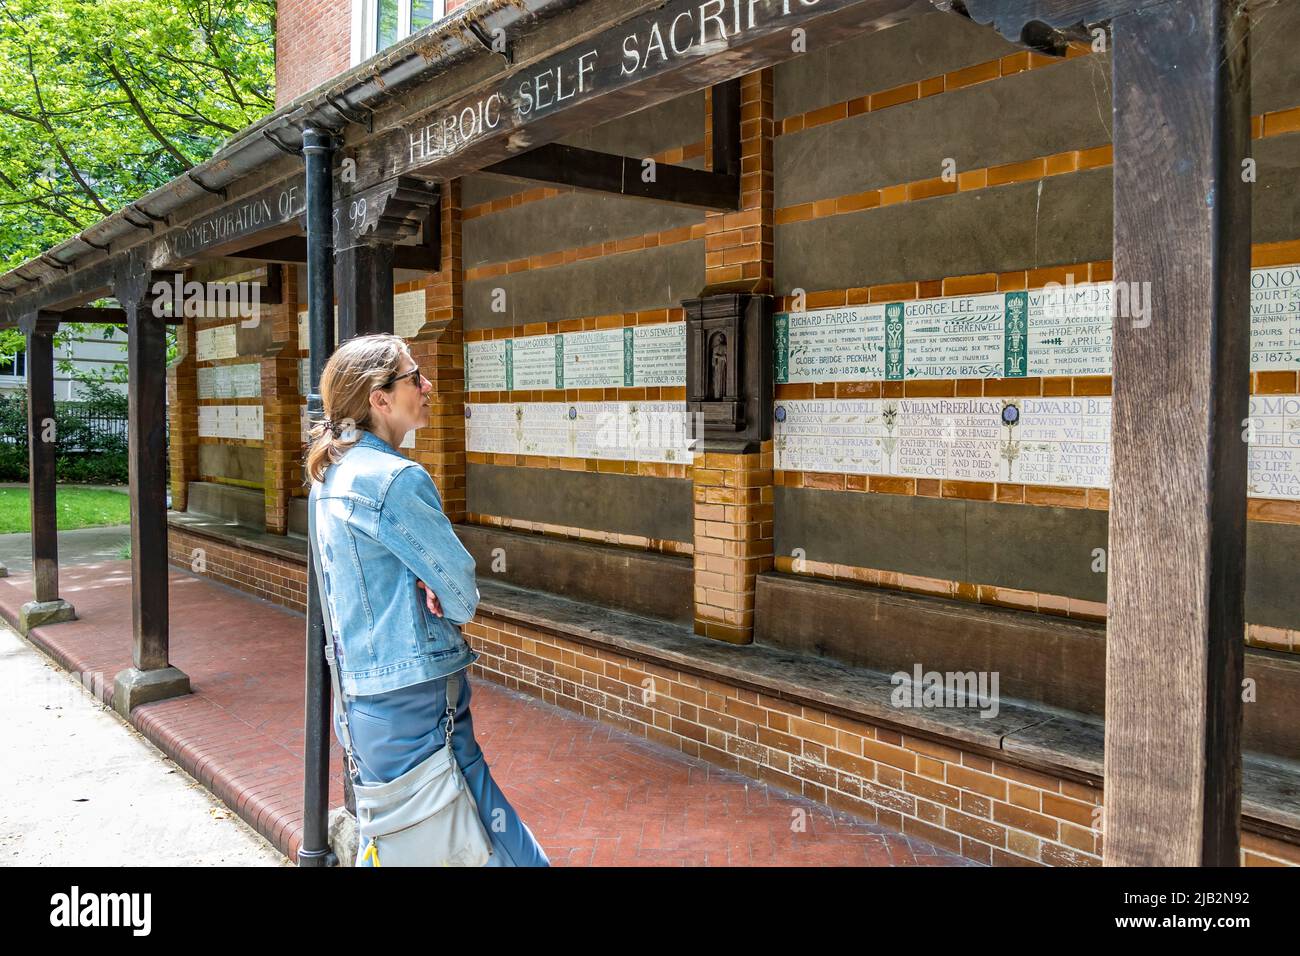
{"points": [[7, 378], [365, 25]]}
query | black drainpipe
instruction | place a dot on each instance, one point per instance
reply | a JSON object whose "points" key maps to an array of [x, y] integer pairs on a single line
{"points": [[318, 153]]}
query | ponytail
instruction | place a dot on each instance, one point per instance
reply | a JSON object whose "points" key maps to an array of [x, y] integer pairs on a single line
{"points": [[329, 442]]}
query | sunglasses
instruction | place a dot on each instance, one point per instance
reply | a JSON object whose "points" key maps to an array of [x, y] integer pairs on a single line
{"points": [[413, 375]]}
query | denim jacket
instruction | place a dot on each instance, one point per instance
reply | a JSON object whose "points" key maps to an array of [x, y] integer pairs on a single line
{"points": [[380, 528]]}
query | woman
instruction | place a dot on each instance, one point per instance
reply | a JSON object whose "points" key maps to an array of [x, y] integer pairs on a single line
{"points": [[398, 583]]}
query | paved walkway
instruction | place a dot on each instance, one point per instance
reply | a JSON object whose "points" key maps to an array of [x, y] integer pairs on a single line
{"points": [[80, 789], [592, 794], [81, 546]]}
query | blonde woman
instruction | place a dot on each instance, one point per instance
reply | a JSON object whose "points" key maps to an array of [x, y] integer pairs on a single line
{"points": [[398, 582]]}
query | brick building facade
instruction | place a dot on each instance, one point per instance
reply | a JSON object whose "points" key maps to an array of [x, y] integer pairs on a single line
{"points": [[313, 43], [316, 40]]}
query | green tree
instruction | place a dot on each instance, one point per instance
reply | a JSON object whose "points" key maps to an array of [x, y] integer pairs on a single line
{"points": [[102, 101]]}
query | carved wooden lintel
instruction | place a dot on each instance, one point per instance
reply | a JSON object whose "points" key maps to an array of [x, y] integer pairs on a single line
{"points": [[390, 212], [39, 323], [131, 279]]}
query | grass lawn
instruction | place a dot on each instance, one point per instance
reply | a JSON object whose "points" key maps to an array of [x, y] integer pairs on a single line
{"points": [[77, 508]]}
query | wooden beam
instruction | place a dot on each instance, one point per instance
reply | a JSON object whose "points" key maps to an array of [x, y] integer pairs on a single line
{"points": [[85, 284], [42, 451], [623, 176], [271, 211], [94, 281], [270, 222], [363, 284], [725, 117], [92, 315], [1174, 656], [294, 250], [676, 48], [95, 316]]}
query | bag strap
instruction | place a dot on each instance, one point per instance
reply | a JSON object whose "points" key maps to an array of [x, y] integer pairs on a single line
{"points": [[453, 696], [453, 679], [322, 599]]}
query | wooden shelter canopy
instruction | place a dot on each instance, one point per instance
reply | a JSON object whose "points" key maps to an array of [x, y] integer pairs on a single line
{"points": [[1182, 221], [468, 109], [257, 155]]}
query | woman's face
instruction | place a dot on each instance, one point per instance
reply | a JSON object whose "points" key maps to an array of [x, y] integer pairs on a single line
{"points": [[407, 404]]}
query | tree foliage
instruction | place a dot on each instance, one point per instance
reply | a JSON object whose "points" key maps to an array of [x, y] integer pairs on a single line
{"points": [[102, 101]]}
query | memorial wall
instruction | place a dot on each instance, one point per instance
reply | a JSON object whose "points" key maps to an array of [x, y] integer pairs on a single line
{"points": [[942, 246], [575, 348], [227, 350], [1054, 332], [943, 242]]}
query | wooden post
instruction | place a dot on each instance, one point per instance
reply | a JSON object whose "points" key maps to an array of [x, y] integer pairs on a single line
{"points": [[364, 250], [42, 448], [1178, 460], [152, 678], [146, 360], [364, 284]]}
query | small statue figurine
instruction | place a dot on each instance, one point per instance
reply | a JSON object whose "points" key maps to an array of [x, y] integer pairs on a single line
{"points": [[717, 365]]}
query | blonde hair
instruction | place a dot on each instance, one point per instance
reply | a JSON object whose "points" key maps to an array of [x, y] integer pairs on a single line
{"points": [[356, 368]]}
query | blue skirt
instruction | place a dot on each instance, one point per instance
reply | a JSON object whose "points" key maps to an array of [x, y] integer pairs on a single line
{"points": [[394, 731]]}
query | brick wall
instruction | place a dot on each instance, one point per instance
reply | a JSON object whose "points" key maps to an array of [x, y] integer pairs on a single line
{"points": [[985, 809], [438, 349], [313, 43], [733, 503], [281, 404], [259, 573], [183, 413], [994, 812]]}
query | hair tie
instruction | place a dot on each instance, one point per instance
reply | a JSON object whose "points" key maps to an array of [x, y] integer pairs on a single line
{"points": [[334, 429]]}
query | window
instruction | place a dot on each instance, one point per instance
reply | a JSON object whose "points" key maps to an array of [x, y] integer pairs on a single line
{"points": [[378, 24], [14, 365]]}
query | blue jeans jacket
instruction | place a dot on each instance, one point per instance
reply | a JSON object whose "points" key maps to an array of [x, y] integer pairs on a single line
{"points": [[380, 528]]}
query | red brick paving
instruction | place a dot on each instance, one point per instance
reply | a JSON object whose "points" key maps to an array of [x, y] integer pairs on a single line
{"points": [[591, 793]]}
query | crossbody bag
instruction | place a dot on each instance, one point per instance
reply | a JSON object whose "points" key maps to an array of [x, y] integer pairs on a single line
{"points": [[425, 817]]}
